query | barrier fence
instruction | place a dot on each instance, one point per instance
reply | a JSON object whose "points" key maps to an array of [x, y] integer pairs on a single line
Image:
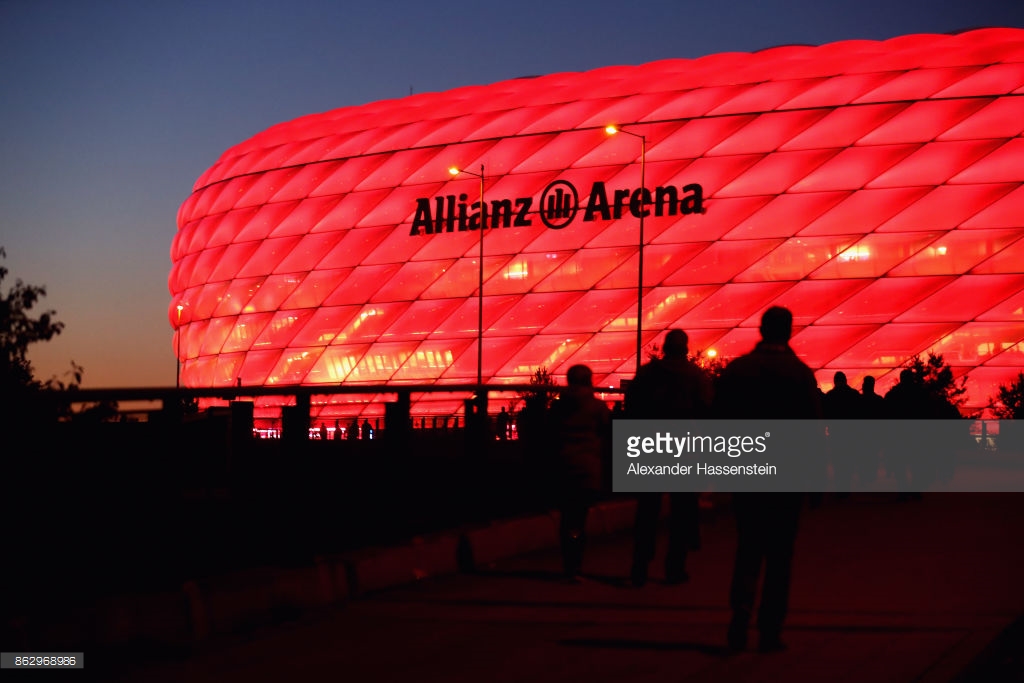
{"points": [[282, 412]]}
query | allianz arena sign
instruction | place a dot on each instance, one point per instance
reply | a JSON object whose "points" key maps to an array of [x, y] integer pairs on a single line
{"points": [[875, 188], [559, 204]]}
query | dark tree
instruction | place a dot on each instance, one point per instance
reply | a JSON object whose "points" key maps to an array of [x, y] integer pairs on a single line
{"points": [[545, 387], [28, 399], [536, 401], [19, 329], [937, 377], [1009, 401], [711, 364]]}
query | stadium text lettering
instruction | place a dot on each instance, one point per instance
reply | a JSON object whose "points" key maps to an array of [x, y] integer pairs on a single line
{"points": [[558, 206]]}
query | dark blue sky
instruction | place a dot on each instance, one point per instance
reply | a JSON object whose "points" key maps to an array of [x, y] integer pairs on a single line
{"points": [[110, 110]]}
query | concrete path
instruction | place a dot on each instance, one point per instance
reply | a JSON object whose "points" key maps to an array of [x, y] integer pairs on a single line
{"points": [[882, 591]]}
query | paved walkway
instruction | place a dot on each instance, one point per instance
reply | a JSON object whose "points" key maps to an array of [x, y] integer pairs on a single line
{"points": [[882, 591]]}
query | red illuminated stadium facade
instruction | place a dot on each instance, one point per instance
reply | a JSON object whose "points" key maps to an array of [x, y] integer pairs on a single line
{"points": [[874, 188]]}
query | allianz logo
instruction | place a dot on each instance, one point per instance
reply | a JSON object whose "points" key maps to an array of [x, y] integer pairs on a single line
{"points": [[558, 207]]}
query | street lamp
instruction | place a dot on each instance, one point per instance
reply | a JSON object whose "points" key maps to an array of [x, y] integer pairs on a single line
{"points": [[454, 170], [612, 130], [177, 364]]}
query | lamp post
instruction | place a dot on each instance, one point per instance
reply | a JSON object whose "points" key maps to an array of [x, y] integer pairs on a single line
{"points": [[177, 352], [612, 130], [480, 282]]}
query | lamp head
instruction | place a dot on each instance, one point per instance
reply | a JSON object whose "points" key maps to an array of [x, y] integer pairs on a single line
{"points": [[454, 170], [611, 129]]}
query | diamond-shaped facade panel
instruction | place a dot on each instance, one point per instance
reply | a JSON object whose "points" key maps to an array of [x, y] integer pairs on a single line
{"points": [[876, 188]]}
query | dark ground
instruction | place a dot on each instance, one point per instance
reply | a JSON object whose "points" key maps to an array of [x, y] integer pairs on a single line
{"points": [[882, 591], [930, 590]]}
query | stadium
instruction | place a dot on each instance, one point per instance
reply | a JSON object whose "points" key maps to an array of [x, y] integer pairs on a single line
{"points": [[872, 187]]}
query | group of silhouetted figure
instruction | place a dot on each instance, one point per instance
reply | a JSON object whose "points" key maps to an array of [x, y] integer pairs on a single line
{"points": [[353, 432], [769, 382], [855, 455]]}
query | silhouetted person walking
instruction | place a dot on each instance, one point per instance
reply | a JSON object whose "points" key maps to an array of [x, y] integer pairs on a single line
{"points": [[842, 404], [667, 388], [907, 400], [580, 430], [503, 424], [872, 408], [367, 430], [911, 399], [770, 382]]}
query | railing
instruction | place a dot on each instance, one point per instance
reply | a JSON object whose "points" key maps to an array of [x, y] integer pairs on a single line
{"points": [[145, 403], [279, 409]]}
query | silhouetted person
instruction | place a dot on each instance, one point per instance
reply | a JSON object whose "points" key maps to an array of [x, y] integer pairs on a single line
{"points": [[580, 431], [873, 405], [907, 400], [323, 431], [872, 408], [353, 429], [367, 431], [770, 382], [669, 388], [503, 424], [910, 399], [842, 404], [337, 429]]}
